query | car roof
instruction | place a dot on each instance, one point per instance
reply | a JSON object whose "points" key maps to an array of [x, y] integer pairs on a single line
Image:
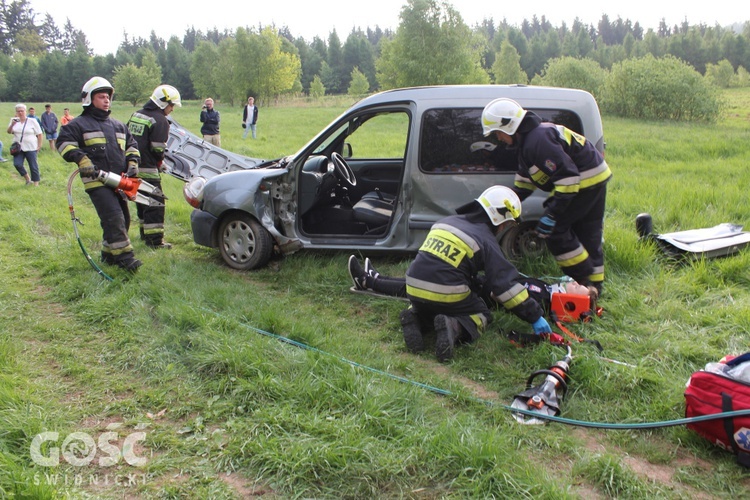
{"points": [[535, 95]]}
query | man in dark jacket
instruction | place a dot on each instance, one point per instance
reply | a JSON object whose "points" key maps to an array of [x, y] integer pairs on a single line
{"points": [[49, 125], [443, 282], [150, 128], [250, 117], [557, 160], [95, 142], [210, 119]]}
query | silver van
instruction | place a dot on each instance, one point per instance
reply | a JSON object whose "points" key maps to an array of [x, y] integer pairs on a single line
{"points": [[375, 179]]}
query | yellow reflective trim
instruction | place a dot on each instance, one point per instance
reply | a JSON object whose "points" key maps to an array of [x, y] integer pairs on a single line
{"points": [[539, 176], [597, 179], [568, 135], [95, 140], [524, 185], [516, 300], [572, 261], [89, 185], [68, 148], [596, 277], [436, 297], [572, 189], [446, 246]]}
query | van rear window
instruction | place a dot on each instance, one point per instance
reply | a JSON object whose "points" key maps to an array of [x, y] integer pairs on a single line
{"points": [[452, 141]]}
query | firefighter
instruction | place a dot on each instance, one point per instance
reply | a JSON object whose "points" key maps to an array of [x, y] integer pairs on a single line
{"points": [[557, 160], [150, 128], [443, 285], [95, 141]]}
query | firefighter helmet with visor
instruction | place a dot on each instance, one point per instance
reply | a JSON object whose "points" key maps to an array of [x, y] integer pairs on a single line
{"points": [[504, 115], [93, 86], [164, 95], [500, 203]]}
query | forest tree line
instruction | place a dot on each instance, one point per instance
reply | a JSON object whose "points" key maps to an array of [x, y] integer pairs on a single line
{"points": [[431, 45]]}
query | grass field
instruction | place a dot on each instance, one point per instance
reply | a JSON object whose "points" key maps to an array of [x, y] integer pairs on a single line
{"points": [[197, 370]]}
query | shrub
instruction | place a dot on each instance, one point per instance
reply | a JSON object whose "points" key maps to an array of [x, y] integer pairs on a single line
{"points": [[721, 74], [663, 88], [574, 73]]}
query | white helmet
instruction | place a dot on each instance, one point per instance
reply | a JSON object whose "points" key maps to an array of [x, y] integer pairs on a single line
{"points": [[502, 114], [94, 85], [500, 203], [164, 95]]}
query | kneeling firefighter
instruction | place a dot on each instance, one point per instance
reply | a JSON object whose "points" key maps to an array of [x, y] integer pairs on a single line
{"points": [[442, 282]]}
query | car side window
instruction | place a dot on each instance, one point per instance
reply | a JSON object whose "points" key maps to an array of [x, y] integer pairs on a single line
{"points": [[379, 136], [452, 141]]}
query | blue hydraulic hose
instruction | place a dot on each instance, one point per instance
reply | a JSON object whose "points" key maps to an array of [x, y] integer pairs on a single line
{"points": [[530, 413], [75, 228]]}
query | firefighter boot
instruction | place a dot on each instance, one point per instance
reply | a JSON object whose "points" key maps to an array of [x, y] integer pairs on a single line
{"points": [[447, 331], [412, 331]]}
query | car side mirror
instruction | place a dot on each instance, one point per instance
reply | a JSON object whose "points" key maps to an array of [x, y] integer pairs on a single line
{"points": [[346, 150]]}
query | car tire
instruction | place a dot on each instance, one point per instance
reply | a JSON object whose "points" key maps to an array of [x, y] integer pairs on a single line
{"points": [[244, 243], [521, 241]]}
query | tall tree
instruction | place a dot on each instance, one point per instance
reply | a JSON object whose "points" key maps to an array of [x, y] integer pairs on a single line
{"points": [[507, 67], [358, 53], [51, 66], [228, 86], [359, 85], [310, 61], [203, 69], [275, 70], [176, 71], [15, 17], [432, 46], [335, 59]]}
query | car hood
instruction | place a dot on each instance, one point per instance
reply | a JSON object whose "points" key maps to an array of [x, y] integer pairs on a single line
{"points": [[238, 190], [188, 156]]}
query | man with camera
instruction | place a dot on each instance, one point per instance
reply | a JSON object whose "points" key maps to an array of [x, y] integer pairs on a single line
{"points": [[210, 119]]}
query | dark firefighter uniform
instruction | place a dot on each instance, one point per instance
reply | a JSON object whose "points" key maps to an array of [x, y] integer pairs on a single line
{"points": [[150, 128], [559, 161], [444, 276], [108, 145]]}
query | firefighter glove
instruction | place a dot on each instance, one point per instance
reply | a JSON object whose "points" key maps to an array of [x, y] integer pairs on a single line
{"points": [[86, 168], [132, 169], [541, 326], [545, 226]]}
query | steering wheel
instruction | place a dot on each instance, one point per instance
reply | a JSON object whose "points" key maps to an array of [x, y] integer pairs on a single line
{"points": [[343, 171]]}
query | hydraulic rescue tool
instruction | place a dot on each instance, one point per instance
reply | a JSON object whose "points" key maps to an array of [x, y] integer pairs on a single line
{"points": [[129, 187], [132, 188], [544, 398]]}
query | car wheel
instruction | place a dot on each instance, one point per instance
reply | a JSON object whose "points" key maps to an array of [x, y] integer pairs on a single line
{"points": [[521, 240], [244, 243]]}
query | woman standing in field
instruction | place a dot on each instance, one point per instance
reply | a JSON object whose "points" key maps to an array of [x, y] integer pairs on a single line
{"points": [[28, 133]]}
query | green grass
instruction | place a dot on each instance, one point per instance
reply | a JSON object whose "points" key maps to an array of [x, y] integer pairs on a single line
{"points": [[175, 351]]}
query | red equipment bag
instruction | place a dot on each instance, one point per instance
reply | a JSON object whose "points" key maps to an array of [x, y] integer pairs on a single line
{"points": [[708, 393]]}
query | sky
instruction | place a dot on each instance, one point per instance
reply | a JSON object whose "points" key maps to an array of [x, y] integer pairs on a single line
{"points": [[105, 24]]}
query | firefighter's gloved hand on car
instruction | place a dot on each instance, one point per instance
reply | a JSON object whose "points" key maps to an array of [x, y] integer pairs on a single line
{"points": [[541, 326], [545, 226], [86, 168]]}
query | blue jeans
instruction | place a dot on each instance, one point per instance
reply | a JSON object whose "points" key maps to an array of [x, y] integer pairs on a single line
{"points": [[248, 128], [33, 165]]}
